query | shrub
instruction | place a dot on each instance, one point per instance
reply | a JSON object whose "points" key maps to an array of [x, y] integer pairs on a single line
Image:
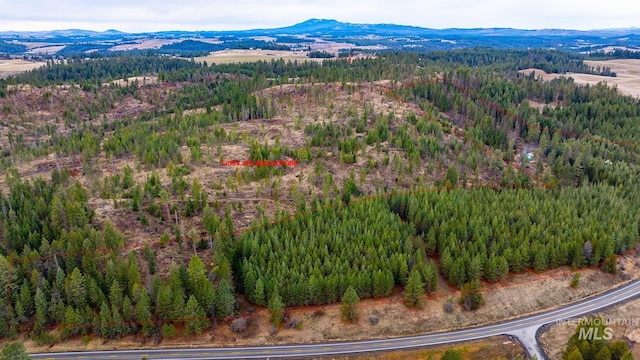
{"points": [[575, 281], [293, 323], [449, 307], [238, 325], [169, 331], [272, 329]]}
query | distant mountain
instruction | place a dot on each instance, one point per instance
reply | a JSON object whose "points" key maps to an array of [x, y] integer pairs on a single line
{"points": [[327, 26], [378, 36]]}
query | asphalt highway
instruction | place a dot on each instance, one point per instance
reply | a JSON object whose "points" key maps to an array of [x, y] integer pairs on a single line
{"points": [[308, 350]]}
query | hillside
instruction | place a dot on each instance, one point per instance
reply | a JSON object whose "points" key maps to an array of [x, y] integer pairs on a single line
{"points": [[124, 213]]}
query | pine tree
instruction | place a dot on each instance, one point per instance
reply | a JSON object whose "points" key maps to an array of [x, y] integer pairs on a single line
{"points": [[349, 306], [177, 306], [133, 274], [143, 314], [276, 309], [95, 294], [431, 277], [115, 294], [195, 317], [474, 271], [471, 297], [224, 300], [199, 284], [575, 355], [164, 302], [379, 288], [118, 326], [106, 329], [414, 291], [26, 298], [128, 314], [258, 293], [76, 290], [14, 351], [491, 269], [68, 326], [42, 307], [452, 354], [540, 261], [451, 177], [404, 273]]}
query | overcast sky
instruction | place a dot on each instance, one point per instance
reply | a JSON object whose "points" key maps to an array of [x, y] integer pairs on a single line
{"points": [[155, 15]]}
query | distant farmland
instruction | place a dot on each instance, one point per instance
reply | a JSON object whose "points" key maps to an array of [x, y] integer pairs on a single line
{"points": [[236, 56], [12, 67], [627, 71]]}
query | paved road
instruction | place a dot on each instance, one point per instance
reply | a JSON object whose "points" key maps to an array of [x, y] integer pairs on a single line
{"points": [[580, 308]]}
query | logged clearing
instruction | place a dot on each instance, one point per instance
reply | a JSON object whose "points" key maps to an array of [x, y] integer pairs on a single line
{"points": [[142, 81], [627, 79], [237, 56], [16, 66]]}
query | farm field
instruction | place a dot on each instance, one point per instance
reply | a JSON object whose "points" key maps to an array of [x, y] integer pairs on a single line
{"points": [[237, 56], [627, 80], [16, 66]]}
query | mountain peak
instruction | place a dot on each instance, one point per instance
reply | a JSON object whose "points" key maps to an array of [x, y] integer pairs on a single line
{"points": [[315, 21]]}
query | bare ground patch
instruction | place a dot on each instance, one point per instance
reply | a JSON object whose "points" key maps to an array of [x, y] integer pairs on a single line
{"points": [[141, 80]]}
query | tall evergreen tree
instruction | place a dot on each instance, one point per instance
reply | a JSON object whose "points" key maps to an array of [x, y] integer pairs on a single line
{"points": [[349, 306], [414, 291], [143, 314], [195, 317], [224, 300], [276, 309]]}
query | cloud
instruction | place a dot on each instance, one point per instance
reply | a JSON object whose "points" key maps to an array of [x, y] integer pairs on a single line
{"points": [[151, 15]]}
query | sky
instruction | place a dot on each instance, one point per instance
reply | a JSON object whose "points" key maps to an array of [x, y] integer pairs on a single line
{"points": [[158, 15]]}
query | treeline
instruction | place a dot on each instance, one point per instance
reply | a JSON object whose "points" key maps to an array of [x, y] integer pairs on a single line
{"points": [[615, 54], [11, 48], [551, 61], [320, 54], [200, 48], [80, 49], [78, 70], [486, 233]]}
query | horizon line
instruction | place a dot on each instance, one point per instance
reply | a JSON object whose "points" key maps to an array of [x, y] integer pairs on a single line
{"points": [[323, 20]]}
